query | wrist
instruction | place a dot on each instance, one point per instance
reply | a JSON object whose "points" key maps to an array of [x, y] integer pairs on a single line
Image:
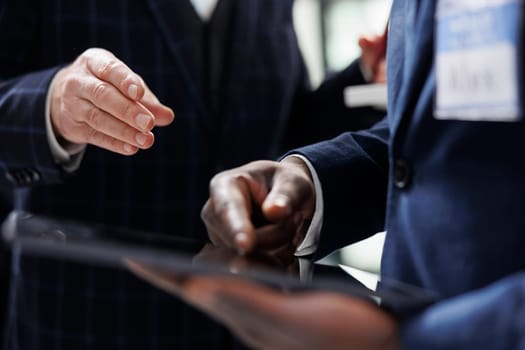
{"points": [[299, 164]]}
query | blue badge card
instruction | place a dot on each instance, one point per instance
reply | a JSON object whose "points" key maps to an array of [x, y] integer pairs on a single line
{"points": [[477, 60]]}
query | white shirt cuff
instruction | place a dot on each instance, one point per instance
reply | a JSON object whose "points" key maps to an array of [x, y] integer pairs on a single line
{"points": [[310, 242], [69, 158], [306, 269]]}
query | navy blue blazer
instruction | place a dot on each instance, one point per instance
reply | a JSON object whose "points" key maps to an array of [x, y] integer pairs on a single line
{"points": [[261, 102], [451, 195]]}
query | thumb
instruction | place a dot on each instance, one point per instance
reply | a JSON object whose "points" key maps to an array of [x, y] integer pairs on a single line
{"points": [[277, 206], [163, 114], [292, 191]]}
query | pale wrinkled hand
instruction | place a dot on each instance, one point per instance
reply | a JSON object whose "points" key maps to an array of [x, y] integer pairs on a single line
{"points": [[266, 319], [373, 56], [99, 100], [261, 206]]}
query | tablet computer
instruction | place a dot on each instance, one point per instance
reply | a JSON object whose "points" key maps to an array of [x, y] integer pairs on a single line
{"points": [[113, 246]]}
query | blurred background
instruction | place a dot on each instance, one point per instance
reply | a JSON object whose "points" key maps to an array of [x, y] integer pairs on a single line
{"points": [[328, 32]]}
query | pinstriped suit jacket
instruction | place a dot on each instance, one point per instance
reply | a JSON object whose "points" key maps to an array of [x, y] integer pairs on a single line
{"points": [[262, 91]]}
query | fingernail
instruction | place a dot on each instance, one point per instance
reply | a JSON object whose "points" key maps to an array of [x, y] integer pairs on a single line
{"points": [[141, 139], [128, 148], [280, 201], [143, 121], [133, 91]]}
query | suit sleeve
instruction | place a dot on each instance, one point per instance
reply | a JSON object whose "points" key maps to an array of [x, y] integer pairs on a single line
{"points": [[25, 156], [353, 171], [489, 318]]}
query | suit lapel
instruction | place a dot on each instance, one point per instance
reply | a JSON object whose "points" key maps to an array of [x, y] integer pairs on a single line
{"points": [[417, 46]]}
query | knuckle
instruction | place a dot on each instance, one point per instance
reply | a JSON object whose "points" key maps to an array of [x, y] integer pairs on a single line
{"points": [[241, 182], [127, 110], [222, 208], [90, 52], [88, 56], [91, 136], [100, 90], [84, 57], [127, 80], [127, 134], [71, 83], [107, 68], [218, 180], [92, 56], [114, 143], [93, 118]]}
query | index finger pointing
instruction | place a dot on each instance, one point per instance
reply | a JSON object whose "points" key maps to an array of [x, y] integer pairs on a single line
{"points": [[105, 66], [232, 207]]}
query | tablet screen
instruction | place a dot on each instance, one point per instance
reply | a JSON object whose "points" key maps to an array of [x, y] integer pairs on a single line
{"points": [[112, 246]]}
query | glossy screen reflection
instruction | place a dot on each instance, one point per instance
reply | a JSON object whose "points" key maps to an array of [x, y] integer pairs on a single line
{"points": [[112, 246]]}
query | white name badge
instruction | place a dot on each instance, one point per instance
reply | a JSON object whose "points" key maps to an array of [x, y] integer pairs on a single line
{"points": [[477, 60]]}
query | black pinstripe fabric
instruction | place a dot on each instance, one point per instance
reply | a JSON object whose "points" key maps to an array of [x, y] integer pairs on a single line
{"points": [[62, 305]]}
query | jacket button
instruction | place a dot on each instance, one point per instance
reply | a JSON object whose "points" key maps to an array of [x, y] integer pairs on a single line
{"points": [[22, 177], [35, 175], [11, 178], [402, 174]]}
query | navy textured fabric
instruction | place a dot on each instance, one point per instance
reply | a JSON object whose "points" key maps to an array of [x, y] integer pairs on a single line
{"points": [[454, 195], [259, 97]]}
